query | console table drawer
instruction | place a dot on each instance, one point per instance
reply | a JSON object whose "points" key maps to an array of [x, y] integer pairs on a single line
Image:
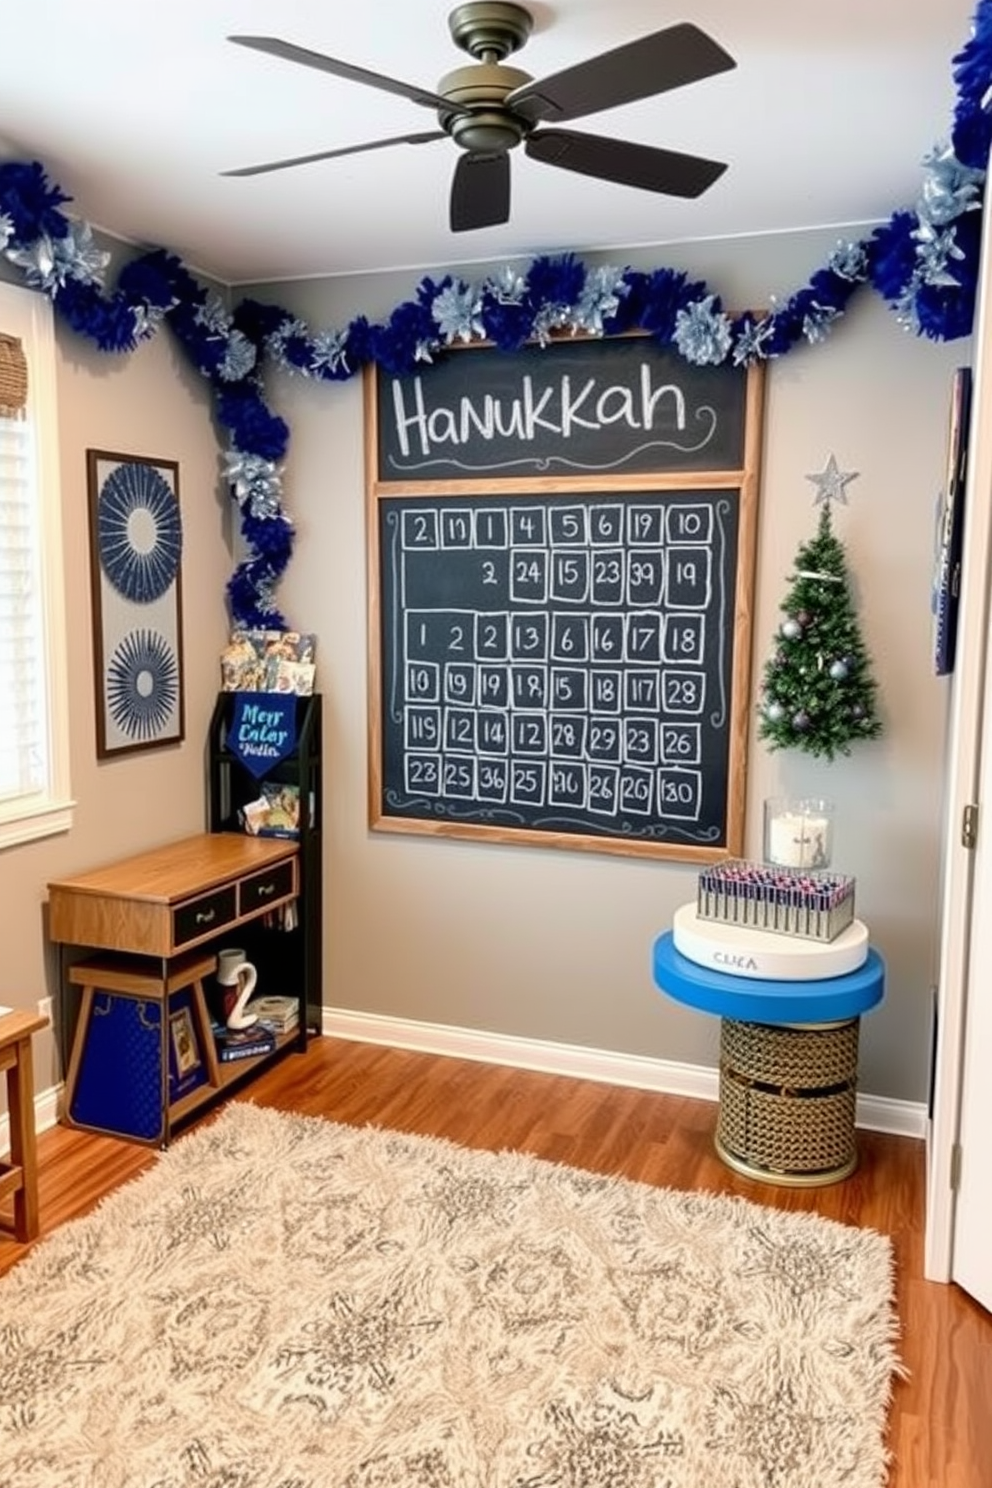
{"points": [[176, 897], [266, 890], [204, 916]]}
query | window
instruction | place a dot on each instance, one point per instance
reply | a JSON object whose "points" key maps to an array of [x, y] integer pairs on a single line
{"points": [[34, 742]]}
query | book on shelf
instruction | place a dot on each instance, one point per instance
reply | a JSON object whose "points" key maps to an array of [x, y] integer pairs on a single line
{"points": [[276, 812], [243, 1043], [278, 1012]]}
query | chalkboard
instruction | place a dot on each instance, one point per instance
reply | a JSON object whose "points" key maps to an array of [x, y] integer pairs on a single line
{"points": [[617, 406], [563, 660]]}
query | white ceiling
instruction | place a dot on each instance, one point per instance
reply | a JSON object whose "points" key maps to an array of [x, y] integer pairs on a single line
{"points": [[135, 109]]}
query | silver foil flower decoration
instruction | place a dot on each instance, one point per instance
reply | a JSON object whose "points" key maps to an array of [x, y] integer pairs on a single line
{"points": [[750, 343], [937, 246], [849, 261], [702, 334], [949, 188], [600, 299], [213, 315], [49, 262], [818, 321], [506, 286], [457, 309], [549, 318], [275, 344], [239, 358], [329, 352], [148, 318], [256, 483]]}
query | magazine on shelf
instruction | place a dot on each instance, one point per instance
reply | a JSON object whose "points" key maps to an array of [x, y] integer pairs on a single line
{"points": [[275, 813], [269, 661]]}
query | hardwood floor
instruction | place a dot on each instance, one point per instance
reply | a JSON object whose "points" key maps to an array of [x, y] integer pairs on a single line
{"points": [[939, 1431]]}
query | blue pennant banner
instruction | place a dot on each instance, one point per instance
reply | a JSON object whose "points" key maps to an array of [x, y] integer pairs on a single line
{"points": [[263, 729]]}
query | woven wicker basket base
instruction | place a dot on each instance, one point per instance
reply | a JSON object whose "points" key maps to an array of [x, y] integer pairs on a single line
{"points": [[784, 1180], [787, 1101]]}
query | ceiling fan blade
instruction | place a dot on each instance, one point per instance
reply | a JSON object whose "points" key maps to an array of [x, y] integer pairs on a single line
{"points": [[640, 69], [275, 165], [666, 171], [480, 192], [273, 47]]}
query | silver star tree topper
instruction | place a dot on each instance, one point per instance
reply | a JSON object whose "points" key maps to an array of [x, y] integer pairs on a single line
{"points": [[830, 483]]}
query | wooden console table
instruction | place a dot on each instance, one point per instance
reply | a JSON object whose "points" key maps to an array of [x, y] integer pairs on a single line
{"points": [[157, 919]]}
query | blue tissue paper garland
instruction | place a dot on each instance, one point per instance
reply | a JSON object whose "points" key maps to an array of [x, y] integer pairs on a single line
{"points": [[924, 263]]}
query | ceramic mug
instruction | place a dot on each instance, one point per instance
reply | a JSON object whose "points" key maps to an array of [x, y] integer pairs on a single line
{"points": [[233, 970]]}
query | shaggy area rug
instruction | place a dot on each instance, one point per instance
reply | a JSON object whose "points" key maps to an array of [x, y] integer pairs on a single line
{"points": [[283, 1302]]}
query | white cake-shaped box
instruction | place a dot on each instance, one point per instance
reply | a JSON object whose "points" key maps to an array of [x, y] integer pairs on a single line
{"points": [[815, 905], [766, 955]]}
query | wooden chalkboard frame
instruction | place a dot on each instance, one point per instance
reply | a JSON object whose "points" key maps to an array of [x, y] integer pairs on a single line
{"points": [[741, 483]]}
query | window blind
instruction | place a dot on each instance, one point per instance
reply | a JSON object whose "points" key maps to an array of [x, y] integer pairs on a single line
{"points": [[35, 796], [24, 744]]}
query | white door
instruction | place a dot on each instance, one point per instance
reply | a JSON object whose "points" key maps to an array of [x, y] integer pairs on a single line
{"points": [[971, 1250], [971, 1255]]}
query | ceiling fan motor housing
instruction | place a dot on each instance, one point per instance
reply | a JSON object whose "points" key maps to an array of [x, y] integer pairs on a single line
{"points": [[481, 89], [490, 29]]}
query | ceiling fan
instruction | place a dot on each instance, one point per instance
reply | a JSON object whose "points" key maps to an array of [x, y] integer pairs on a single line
{"points": [[488, 109]]}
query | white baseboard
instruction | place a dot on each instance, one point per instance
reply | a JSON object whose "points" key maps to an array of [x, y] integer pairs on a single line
{"points": [[46, 1114], [667, 1076]]}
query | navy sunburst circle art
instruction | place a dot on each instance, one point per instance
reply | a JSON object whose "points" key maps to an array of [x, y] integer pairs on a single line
{"points": [[139, 532], [142, 684]]}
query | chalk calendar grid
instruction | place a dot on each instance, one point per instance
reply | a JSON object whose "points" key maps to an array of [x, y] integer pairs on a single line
{"points": [[555, 662]]}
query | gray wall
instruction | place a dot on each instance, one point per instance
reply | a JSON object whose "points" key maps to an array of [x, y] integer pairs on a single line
{"points": [[556, 945]]}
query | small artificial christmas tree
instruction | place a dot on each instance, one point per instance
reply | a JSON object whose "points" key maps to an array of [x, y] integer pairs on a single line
{"points": [[818, 693]]}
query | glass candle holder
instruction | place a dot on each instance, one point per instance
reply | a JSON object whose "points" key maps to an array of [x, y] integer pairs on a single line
{"points": [[799, 832]]}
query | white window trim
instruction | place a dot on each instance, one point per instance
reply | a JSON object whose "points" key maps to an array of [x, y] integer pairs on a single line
{"points": [[28, 314]]}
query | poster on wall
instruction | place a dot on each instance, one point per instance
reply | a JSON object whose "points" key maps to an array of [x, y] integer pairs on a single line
{"points": [[136, 570]]}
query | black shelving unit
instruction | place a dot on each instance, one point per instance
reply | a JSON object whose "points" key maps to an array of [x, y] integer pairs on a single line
{"points": [[289, 961]]}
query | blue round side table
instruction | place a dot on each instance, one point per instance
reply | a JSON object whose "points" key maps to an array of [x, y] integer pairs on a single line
{"points": [[788, 1064]]}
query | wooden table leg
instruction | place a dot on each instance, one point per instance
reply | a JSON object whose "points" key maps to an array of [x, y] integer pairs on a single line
{"points": [[19, 1176], [23, 1146]]}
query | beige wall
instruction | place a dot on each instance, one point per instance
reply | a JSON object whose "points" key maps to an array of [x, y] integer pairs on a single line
{"points": [[151, 404], [556, 945]]}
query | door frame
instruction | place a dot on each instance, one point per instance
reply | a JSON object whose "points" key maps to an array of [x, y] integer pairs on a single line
{"points": [[971, 687]]}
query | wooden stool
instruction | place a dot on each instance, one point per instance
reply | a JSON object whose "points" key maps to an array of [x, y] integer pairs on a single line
{"points": [[19, 1176]]}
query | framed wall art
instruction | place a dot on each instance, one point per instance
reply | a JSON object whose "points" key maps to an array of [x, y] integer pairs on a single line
{"points": [[136, 567]]}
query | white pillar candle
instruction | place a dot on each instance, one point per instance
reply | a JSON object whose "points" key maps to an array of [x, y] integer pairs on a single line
{"points": [[796, 840]]}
